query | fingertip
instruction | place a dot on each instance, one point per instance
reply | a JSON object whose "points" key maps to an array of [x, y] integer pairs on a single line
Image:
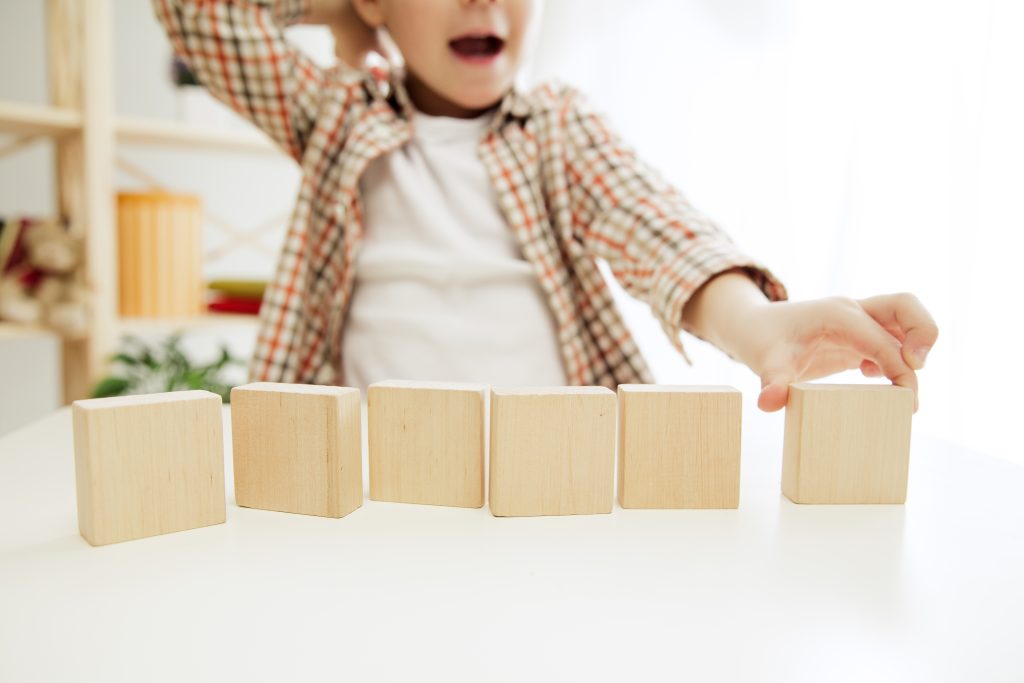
{"points": [[909, 381], [773, 398], [870, 369]]}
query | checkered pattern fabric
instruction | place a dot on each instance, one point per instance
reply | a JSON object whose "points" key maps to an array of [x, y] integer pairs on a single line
{"points": [[573, 194]]}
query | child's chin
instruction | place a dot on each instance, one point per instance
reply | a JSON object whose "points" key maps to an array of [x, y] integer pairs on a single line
{"points": [[482, 99]]}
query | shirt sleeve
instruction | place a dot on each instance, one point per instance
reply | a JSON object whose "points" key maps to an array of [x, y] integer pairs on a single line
{"points": [[657, 245], [237, 50]]}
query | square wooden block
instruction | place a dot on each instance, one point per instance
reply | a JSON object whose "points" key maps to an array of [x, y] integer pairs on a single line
{"points": [[679, 447], [297, 448], [552, 451], [847, 444], [426, 442], [148, 465]]}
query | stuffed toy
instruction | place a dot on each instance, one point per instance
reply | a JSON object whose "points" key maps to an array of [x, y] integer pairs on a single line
{"points": [[39, 283]]}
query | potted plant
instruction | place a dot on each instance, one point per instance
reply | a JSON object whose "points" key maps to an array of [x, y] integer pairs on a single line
{"points": [[141, 368]]}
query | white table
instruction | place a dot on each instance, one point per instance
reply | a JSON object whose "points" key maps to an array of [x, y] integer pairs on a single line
{"points": [[929, 591]]}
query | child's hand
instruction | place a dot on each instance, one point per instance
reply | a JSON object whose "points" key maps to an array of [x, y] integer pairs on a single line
{"points": [[787, 342], [883, 336]]}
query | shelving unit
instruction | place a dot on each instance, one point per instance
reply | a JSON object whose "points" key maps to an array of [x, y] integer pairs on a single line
{"points": [[30, 122], [206, 321], [86, 134], [35, 120], [11, 330], [170, 133]]}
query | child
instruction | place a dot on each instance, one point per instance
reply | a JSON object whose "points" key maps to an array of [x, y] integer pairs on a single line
{"points": [[448, 226]]}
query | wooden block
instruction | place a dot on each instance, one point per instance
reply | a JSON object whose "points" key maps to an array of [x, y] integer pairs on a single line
{"points": [[297, 448], [552, 451], [148, 465], [426, 442], [679, 447], [847, 444]]}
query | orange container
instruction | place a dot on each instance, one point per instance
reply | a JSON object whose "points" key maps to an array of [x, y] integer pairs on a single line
{"points": [[160, 254]]}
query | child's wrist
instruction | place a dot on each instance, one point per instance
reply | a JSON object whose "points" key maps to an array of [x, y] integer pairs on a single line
{"points": [[723, 312], [750, 333]]}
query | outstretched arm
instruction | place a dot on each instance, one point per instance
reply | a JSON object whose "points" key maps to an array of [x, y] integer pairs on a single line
{"points": [[665, 253], [659, 248]]}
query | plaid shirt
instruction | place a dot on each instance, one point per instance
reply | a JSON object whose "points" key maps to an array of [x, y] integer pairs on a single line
{"points": [[571, 191]]}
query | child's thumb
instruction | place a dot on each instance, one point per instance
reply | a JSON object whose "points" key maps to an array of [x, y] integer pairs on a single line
{"points": [[774, 391]]}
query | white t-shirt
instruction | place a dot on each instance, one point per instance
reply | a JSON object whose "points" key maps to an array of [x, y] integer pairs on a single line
{"points": [[442, 291]]}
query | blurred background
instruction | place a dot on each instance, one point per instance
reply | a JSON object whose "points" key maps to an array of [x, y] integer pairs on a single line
{"points": [[856, 148]]}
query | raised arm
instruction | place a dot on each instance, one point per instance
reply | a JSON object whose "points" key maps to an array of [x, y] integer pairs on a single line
{"points": [[237, 49]]}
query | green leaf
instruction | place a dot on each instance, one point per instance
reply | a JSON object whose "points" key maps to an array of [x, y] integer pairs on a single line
{"points": [[149, 360], [225, 358], [194, 379], [111, 386], [126, 359]]}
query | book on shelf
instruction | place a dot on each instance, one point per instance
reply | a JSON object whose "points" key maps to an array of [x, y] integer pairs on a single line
{"points": [[236, 295], [238, 288], [242, 305]]}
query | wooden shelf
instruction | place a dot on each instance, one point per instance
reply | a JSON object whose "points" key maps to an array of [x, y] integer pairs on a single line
{"points": [[206, 321], [173, 134], [34, 119], [9, 330]]}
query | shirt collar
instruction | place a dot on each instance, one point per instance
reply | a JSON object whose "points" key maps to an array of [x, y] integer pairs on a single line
{"points": [[386, 84], [514, 105]]}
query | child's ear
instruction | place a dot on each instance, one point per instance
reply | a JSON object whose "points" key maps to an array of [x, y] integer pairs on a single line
{"points": [[370, 11]]}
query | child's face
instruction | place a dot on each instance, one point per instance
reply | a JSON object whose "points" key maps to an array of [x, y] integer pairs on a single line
{"points": [[461, 55]]}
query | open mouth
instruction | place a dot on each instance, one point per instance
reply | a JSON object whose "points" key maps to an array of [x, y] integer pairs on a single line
{"points": [[477, 47]]}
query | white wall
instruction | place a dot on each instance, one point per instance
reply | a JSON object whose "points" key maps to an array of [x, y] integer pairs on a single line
{"points": [[25, 177], [30, 377]]}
